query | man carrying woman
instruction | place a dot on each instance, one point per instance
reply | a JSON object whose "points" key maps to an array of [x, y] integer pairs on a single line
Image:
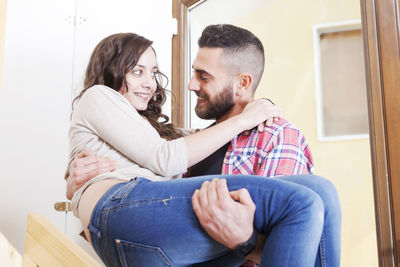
{"points": [[142, 221]]}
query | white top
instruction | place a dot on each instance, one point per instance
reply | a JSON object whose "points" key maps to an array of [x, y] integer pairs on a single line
{"points": [[105, 122]]}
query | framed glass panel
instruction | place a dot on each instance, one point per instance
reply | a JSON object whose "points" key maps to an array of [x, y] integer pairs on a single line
{"points": [[340, 81]]}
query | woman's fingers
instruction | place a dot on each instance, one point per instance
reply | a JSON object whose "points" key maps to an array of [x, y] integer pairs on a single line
{"points": [[259, 112], [267, 123]]}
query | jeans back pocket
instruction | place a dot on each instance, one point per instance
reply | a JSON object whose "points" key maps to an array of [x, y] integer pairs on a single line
{"points": [[134, 254]]}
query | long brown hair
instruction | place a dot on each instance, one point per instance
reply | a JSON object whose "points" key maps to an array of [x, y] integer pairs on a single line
{"points": [[111, 60]]}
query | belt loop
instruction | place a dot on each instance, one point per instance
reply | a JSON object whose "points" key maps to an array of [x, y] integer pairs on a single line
{"points": [[132, 183], [125, 189], [94, 230]]}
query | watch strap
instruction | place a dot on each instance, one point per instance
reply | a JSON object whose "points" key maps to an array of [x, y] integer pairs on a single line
{"points": [[247, 247]]}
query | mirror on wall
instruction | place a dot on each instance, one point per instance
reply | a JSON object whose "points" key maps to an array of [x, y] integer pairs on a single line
{"points": [[315, 72]]}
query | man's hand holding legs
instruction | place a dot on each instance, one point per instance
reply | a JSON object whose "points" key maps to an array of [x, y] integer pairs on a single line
{"points": [[226, 216]]}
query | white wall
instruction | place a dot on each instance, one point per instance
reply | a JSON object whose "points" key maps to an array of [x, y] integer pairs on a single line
{"points": [[35, 99]]}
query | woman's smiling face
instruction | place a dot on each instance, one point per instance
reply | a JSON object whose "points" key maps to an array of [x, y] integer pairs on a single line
{"points": [[141, 80]]}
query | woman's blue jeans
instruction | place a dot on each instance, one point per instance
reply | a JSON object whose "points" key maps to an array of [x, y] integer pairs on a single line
{"points": [[144, 223]]}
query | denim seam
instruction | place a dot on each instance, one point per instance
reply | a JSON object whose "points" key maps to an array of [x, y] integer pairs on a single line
{"points": [[105, 243], [101, 208], [129, 188], [101, 220], [161, 254], [121, 255], [322, 251], [117, 193], [125, 190], [101, 217], [140, 202]]}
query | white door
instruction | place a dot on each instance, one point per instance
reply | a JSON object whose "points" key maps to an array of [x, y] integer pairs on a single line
{"points": [[47, 47]]}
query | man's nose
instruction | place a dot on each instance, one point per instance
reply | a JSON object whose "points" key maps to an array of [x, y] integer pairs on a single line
{"points": [[194, 85]]}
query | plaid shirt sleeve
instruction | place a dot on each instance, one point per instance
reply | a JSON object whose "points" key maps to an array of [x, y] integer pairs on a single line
{"points": [[279, 150], [288, 154]]}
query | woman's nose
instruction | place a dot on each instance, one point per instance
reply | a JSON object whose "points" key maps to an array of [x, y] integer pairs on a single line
{"points": [[149, 81]]}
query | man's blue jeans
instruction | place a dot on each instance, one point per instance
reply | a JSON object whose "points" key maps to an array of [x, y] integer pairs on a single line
{"points": [[144, 223]]}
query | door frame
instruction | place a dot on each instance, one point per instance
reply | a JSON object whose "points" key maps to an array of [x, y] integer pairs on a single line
{"points": [[381, 31], [179, 58]]}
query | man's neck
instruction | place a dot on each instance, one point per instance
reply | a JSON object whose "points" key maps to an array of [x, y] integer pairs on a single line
{"points": [[235, 110]]}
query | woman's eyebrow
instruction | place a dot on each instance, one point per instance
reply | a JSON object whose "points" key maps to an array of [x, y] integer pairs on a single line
{"points": [[143, 66]]}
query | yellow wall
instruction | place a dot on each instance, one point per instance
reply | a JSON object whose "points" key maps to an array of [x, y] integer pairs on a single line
{"points": [[2, 28], [285, 28]]}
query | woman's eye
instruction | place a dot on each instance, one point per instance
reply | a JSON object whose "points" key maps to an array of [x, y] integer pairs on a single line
{"points": [[137, 72], [154, 74]]}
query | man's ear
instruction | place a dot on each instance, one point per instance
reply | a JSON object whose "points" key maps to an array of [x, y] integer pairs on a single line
{"points": [[244, 84]]}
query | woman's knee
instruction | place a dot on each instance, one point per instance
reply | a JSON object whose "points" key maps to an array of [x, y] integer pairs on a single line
{"points": [[324, 188], [307, 205], [329, 195], [313, 201]]}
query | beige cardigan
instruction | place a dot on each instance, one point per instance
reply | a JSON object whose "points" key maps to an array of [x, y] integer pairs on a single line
{"points": [[105, 122]]}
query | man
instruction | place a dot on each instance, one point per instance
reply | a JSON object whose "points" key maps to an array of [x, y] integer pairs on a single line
{"points": [[278, 150], [227, 71]]}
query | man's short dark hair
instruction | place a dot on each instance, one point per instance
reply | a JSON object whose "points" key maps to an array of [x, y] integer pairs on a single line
{"points": [[243, 51]]}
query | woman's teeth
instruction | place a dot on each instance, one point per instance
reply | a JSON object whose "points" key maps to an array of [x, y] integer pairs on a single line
{"points": [[142, 95]]}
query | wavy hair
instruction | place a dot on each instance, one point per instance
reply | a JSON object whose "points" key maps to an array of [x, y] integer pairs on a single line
{"points": [[109, 63]]}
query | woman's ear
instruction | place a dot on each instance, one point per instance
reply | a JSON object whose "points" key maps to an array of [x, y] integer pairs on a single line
{"points": [[244, 84]]}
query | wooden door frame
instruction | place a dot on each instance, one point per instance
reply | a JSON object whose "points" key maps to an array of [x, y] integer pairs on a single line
{"points": [[380, 19], [381, 34], [179, 87]]}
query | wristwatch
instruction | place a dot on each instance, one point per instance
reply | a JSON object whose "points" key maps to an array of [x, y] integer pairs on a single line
{"points": [[247, 247]]}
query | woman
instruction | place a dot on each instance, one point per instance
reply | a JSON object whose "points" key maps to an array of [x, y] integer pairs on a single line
{"points": [[141, 214]]}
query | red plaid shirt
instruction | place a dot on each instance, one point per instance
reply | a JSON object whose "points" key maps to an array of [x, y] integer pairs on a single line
{"points": [[278, 150]]}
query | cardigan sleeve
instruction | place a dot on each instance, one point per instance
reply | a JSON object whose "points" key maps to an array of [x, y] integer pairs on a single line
{"points": [[113, 119]]}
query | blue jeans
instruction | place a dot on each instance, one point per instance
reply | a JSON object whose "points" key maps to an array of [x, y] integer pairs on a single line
{"points": [[329, 247], [144, 223]]}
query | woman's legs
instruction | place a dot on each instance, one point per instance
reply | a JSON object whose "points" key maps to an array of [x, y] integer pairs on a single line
{"points": [[145, 223], [329, 248]]}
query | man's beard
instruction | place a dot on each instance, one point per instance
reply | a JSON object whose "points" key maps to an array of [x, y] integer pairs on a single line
{"points": [[214, 109]]}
